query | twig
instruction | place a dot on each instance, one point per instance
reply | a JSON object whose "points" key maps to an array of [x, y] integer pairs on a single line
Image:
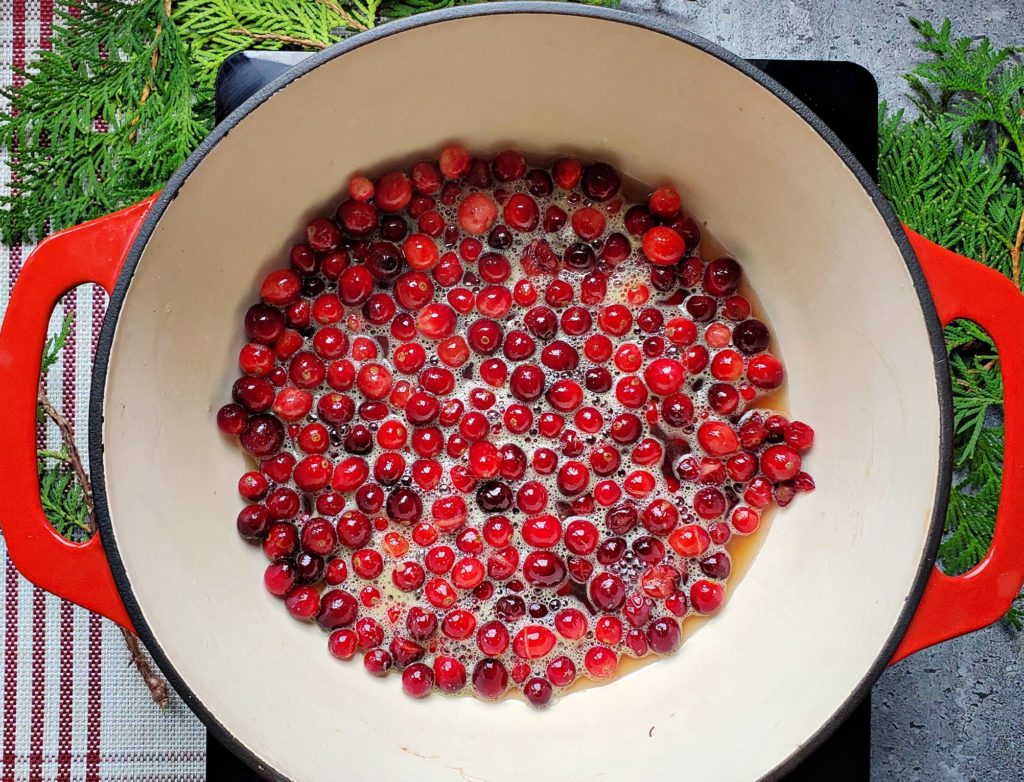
{"points": [[351, 21], [157, 686], [73, 456], [306, 42], [1015, 252]]}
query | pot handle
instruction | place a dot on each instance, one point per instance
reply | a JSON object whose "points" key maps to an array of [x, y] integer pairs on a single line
{"points": [[954, 605], [91, 252]]}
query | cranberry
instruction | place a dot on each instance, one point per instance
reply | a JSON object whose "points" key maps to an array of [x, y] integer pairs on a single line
{"points": [[663, 246], [780, 463], [600, 662], [449, 674], [263, 435], [303, 602], [745, 520], [701, 308], [309, 568], [722, 277], [611, 551], [355, 285], [724, 399], [597, 379], [663, 635], [706, 597], [494, 497], [607, 592], [615, 319], [664, 376], [544, 569], [232, 419], [765, 371], [799, 436], [750, 336], [600, 181], [477, 213], [490, 679]]}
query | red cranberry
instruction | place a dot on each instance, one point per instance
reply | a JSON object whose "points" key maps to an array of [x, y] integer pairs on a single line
{"points": [[765, 371], [417, 680], [780, 463], [706, 597], [663, 246], [303, 602], [449, 674], [600, 662], [378, 662], [544, 569]]}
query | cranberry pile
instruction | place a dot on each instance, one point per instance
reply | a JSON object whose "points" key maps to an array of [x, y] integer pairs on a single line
{"points": [[505, 425]]}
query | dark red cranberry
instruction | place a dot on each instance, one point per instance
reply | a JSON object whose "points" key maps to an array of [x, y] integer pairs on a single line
{"points": [[607, 592], [600, 181], [701, 308], [263, 436], [722, 277], [638, 220], [542, 322], [611, 550], [622, 518], [309, 568], [677, 410], [663, 635], [716, 565], [538, 182], [338, 608], [253, 521], [500, 237], [357, 219], [538, 692], [264, 324], [555, 219], [232, 419], [490, 679], [649, 550], [579, 257], [384, 261], [597, 379], [404, 506], [751, 336], [494, 497]]}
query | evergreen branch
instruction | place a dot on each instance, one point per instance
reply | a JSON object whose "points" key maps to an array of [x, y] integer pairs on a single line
{"points": [[157, 686]]}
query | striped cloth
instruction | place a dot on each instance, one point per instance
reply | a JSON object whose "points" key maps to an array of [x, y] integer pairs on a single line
{"points": [[73, 707]]}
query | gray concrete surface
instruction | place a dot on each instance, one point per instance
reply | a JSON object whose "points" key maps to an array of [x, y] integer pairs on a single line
{"points": [[954, 712]]}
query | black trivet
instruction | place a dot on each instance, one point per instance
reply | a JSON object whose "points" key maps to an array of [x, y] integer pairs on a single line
{"points": [[845, 96]]}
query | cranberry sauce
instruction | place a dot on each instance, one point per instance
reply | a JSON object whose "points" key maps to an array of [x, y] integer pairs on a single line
{"points": [[505, 425]]}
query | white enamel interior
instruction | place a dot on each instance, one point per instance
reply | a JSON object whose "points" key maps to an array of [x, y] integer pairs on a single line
{"points": [[802, 628]]}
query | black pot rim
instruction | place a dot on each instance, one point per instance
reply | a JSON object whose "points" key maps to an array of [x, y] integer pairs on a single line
{"points": [[934, 327]]}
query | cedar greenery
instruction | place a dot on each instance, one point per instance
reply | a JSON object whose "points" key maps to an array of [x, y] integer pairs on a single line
{"points": [[125, 95], [954, 173]]}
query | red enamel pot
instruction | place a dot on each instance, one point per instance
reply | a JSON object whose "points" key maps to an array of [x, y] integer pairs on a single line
{"points": [[844, 582]]}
